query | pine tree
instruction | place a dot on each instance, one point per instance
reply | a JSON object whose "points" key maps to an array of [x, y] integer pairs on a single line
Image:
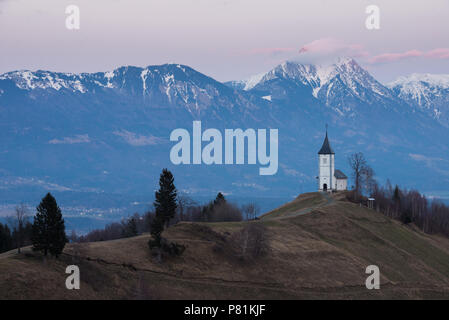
{"points": [[130, 228], [48, 228], [206, 212], [164, 204], [219, 199], [396, 195]]}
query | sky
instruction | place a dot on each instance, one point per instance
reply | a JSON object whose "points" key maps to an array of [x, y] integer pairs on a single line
{"points": [[225, 39]]}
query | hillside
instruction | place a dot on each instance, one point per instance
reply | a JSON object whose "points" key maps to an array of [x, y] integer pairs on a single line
{"points": [[320, 246]]}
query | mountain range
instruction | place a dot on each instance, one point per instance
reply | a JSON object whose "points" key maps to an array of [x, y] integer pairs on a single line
{"points": [[429, 92], [100, 140]]}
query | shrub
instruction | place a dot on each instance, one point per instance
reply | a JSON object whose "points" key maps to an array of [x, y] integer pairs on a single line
{"points": [[225, 212], [245, 245], [164, 248]]}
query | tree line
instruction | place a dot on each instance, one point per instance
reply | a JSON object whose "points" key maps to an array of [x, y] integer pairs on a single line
{"points": [[410, 206], [217, 210], [46, 234], [20, 232], [407, 206]]}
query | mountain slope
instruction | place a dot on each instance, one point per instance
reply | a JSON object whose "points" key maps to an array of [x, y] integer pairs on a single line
{"points": [[429, 92], [166, 85], [343, 85], [319, 255]]}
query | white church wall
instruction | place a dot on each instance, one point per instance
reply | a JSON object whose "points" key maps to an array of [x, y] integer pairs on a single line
{"points": [[341, 184], [326, 171]]}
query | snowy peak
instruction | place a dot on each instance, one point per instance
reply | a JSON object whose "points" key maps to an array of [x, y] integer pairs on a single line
{"points": [[173, 85], [429, 92], [28, 80], [420, 79], [341, 85], [84, 82], [346, 70], [179, 85]]}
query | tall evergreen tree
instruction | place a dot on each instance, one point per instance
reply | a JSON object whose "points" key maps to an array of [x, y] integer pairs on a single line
{"points": [[48, 228], [164, 204]]}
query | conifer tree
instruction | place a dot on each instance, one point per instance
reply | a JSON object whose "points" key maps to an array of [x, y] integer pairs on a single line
{"points": [[164, 204], [48, 228], [396, 195], [219, 199], [130, 228]]}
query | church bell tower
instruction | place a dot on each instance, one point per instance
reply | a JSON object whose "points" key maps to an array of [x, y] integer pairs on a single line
{"points": [[326, 166]]}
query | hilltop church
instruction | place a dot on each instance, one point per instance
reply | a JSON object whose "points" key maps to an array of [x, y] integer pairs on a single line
{"points": [[329, 179]]}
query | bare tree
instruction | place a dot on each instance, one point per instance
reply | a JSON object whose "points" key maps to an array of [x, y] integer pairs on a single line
{"points": [[362, 174], [184, 203], [250, 211], [73, 236], [21, 217], [250, 242], [357, 162], [368, 181]]}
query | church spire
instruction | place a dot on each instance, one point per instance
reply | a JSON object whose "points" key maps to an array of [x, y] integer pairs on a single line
{"points": [[326, 148]]}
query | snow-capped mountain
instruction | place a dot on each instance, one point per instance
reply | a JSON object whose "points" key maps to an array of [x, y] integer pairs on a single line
{"points": [[108, 133], [427, 91], [342, 85], [28, 80], [165, 85]]}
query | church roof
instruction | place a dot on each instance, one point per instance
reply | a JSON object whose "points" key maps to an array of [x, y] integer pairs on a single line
{"points": [[339, 175], [326, 148]]}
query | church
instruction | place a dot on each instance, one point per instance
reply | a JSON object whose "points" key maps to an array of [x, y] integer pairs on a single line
{"points": [[329, 179]]}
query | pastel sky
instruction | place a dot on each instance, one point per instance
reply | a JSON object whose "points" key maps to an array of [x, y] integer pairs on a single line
{"points": [[226, 39]]}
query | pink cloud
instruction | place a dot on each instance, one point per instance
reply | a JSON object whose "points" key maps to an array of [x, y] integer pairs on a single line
{"points": [[389, 57], [330, 46], [439, 53], [335, 47]]}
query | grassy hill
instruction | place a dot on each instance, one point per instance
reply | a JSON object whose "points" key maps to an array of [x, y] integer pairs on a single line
{"points": [[319, 247]]}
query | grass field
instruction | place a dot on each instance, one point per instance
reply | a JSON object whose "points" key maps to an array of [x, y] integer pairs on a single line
{"points": [[319, 248]]}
